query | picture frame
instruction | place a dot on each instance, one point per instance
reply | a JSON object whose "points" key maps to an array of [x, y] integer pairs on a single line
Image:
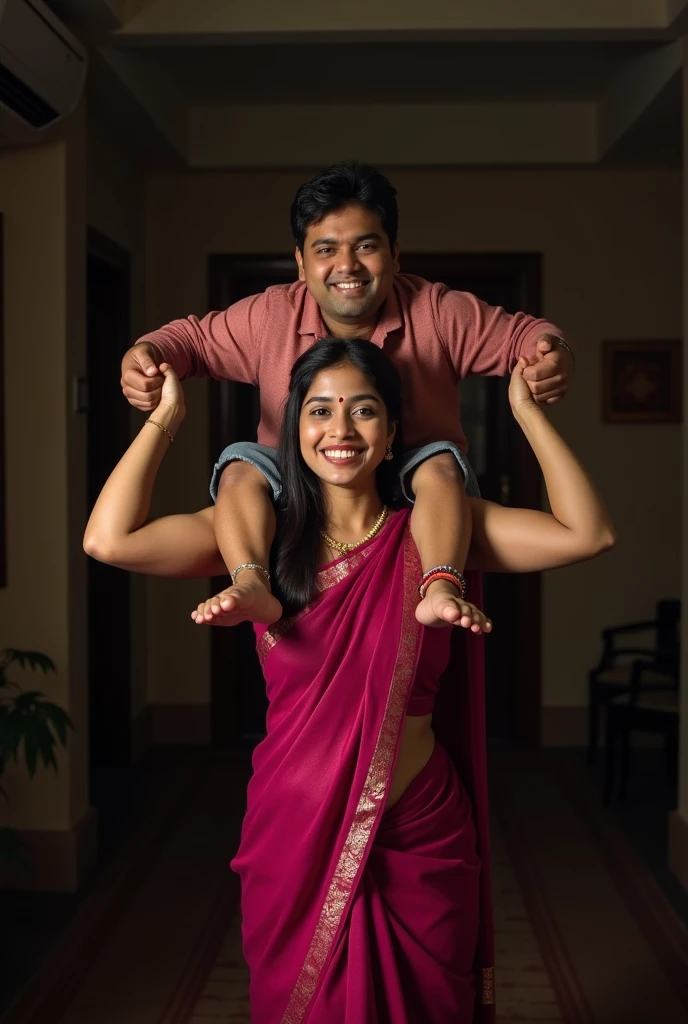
{"points": [[641, 382]]}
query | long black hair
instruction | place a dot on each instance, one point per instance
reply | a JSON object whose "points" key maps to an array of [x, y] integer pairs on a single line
{"points": [[343, 185], [302, 514]]}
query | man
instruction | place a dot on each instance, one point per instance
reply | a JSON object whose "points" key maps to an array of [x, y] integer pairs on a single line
{"points": [[344, 223]]}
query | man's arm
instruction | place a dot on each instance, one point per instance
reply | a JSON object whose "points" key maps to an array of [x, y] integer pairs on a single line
{"points": [[222, 345], [486, 340]]}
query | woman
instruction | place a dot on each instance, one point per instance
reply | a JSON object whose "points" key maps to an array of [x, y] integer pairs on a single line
{"points": [[363, 896]]}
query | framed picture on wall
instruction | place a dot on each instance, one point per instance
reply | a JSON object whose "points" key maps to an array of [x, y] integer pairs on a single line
{"points": [[641, 381]]}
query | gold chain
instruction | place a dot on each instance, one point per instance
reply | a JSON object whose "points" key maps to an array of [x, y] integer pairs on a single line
{"points": [[343, 547]]}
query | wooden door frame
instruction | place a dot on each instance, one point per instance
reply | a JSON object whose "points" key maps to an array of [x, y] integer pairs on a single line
{"points": [[526, 270], [104, 250]]}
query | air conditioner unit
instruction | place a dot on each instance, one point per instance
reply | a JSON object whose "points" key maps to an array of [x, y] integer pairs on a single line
{"points": [[42, 70]]}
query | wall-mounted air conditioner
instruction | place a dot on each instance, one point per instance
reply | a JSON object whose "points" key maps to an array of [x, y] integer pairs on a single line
{"points": [[42, 70]]}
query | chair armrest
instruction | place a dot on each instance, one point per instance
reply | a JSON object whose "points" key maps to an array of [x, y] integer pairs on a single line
{"points": [[609, 656], [649, 651], [629, 627]]}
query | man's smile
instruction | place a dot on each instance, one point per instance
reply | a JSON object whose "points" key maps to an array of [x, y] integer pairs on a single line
{"points": [[352, 288]]}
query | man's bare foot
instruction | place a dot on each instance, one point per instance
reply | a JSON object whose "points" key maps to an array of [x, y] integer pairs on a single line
{"points": [[443, 606], [248, 600]]}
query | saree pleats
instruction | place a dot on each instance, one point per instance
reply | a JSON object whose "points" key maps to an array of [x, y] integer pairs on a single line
{"points": [[407, 952]]}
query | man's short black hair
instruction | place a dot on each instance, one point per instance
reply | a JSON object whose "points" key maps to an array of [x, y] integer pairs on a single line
{"points": [[339, 186]]}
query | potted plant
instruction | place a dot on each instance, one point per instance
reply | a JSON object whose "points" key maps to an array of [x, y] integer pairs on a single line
{"points": [[31, 728]]}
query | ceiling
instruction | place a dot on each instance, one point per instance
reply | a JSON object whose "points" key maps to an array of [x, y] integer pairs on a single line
{"points": [[226, 85], [403, 72]]}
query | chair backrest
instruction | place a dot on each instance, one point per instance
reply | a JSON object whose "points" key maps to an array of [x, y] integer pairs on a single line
{"points": [[668, 633]]}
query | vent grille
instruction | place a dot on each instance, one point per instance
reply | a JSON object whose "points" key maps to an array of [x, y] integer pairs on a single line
{"points": [[20, 98]]}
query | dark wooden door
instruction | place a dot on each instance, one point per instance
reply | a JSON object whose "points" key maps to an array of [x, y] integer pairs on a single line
{"points": [[238, 696], [108, 318], [506, 469], [508, 473]]}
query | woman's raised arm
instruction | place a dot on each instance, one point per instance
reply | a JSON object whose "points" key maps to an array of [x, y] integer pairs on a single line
{"points": [[523, 540], [118, 532]]}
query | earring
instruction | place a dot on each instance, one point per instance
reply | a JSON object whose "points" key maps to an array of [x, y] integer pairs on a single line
{"points": [[389, 454]]}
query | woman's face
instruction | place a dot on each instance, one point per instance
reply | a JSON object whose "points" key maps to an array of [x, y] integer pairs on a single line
{"points": [[344, 430]]}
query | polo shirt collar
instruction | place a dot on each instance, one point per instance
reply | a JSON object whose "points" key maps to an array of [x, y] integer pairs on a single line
{"points": [[390, 319]]}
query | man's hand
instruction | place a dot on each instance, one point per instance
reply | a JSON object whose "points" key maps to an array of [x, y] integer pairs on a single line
{"points": [[550, 372], [142, 380]]}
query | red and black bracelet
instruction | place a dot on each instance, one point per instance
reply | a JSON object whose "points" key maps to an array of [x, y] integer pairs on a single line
{"points": [[443, 572]]}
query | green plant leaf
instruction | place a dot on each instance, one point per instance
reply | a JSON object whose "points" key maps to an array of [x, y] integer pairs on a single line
{"points": [[10, 735], [30, 738], [27, 659], [60, 721], [29, 723], [46, 748], [25, 700]]}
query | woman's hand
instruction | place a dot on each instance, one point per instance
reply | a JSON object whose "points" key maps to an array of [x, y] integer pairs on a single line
{"points": [[520, 395], [172, 407]]}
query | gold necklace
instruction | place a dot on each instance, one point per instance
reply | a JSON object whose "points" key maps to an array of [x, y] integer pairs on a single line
{"points": [[343, 547]]}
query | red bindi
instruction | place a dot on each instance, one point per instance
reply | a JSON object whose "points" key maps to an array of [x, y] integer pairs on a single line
{"points": [[341, 399]]}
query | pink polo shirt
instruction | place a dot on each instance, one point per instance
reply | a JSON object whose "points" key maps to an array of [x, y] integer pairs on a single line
{"points": [[435, 337]]}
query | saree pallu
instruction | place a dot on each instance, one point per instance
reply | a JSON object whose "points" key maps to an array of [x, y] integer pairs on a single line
{"points": [[353, 914]]}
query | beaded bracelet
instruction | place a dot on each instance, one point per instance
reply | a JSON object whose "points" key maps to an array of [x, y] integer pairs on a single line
{"points": [[443, 572]]}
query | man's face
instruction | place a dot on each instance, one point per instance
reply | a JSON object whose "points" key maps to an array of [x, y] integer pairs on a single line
{"points": [[347, 264]]}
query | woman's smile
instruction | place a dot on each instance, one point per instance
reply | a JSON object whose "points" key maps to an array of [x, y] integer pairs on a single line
{"points": [[341, 455]]}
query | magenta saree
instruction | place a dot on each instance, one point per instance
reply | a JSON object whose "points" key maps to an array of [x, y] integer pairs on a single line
{"points": [[352, 913]]}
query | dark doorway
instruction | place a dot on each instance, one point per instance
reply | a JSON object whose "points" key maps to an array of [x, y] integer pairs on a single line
{"points": [[108, 333], [239, 703], [509, 474], [506, 469]]}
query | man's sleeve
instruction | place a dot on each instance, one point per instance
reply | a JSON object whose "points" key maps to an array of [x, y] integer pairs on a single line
{"points": [[222, 345], [484, 339]]}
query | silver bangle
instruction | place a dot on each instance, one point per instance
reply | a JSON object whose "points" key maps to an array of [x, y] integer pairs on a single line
{"points": [[249, 565]]}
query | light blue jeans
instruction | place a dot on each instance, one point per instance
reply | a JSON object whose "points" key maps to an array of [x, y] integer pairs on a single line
{"points": [[265, 459]]}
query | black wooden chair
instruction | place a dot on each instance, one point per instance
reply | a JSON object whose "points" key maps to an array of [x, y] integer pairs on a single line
{"points": [[622, 669], [652, 709]]}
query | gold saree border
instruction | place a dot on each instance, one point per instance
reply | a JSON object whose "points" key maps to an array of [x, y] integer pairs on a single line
{"points": [[487, 995], [326, 578], [370, 801]]}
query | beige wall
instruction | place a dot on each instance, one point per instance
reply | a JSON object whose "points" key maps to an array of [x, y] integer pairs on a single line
{"points": [[43, 606], [48, 194], [611, 243]]}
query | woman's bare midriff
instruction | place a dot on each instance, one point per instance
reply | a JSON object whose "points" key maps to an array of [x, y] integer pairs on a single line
{"points": [[417, 744]]}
